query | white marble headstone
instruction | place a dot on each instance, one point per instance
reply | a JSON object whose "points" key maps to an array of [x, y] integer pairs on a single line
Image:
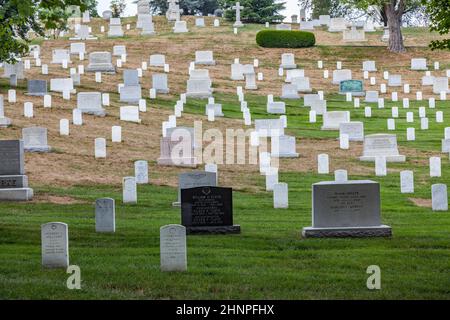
{"points": [[173, 251], [55, 245]]}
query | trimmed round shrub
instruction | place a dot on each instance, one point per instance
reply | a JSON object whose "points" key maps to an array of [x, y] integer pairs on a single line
{"points": [[285, 39]]}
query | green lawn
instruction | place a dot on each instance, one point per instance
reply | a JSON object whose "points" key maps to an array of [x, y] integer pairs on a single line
{"points": [[268, 260]]}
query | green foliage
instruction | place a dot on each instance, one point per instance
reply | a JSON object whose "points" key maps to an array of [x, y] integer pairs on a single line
{"points": [[439, 12], [255, 11], [159, 6], [91, 6], [54, 19], [285, 39], [191, 7], [20, 17], [117, 7]]}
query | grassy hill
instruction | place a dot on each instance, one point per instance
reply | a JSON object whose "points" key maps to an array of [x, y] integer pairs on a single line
{"points": [[268, 260]]}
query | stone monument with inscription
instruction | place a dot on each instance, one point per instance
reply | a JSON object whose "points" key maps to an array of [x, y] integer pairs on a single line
{"points": [[381, 145], [195, 179], [177, 148], [35, 139], [173, 251], [55, 245], [355, 87], [13, 181], [100, 62], [105, 215], [208, 210], [346, 209]]}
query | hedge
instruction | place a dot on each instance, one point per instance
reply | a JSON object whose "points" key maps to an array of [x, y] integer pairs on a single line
{"points": [[285, 39]]}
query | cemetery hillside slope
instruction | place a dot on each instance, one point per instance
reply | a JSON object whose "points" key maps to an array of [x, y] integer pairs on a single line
{"points": [[269, 259]]}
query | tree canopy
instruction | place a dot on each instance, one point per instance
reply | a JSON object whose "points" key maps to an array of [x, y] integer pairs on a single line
{"points": [[117, 7], [334, 8], [393, 12], [91, 6], [255, 11], [439, 12], [20, 17], [191, 7]]}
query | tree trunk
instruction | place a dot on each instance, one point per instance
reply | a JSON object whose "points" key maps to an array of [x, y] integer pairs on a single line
{"points": [[394, 12]]}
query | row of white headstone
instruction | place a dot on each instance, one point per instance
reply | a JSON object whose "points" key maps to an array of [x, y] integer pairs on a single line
{"points": [[55, 240]]}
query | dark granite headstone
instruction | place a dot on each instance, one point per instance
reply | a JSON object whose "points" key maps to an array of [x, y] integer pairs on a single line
{"points": [[208, 210], [11, 157], [37, 87], [13, 181]]}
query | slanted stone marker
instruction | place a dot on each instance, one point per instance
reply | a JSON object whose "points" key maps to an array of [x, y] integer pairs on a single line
{"points": [[333, 119], [384, 145], [35, 139], [100, 62], [90, 103]]}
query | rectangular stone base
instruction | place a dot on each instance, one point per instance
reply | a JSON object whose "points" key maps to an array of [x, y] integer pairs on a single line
{"points": [[103, 67], [290, 97], [288, 66], [5, 122], [163, 91], [356, 94], [13, 181], [285, 155], [235, 229], [361, 232], [335, 30], [83, 39], [35, 94], [96, 112], [324, 128], [398, 158], [206, 63], [356, 40], [38, 149], [198, 95], [17, 194]]}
